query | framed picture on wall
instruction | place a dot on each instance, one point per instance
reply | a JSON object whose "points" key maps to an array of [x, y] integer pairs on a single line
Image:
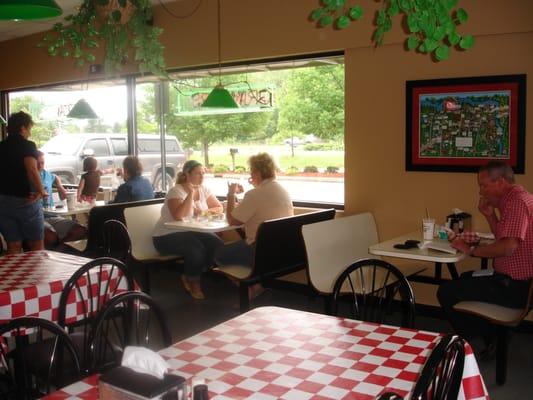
{"points": [[457, 125]]}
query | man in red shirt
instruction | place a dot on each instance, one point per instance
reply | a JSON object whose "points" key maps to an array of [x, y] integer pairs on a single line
{"points": [[512, 252]]}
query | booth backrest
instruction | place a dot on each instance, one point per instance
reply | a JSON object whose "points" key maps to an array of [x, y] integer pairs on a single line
{"points": [[332, 246], [279, 244], [99, 215], [141, 223]]}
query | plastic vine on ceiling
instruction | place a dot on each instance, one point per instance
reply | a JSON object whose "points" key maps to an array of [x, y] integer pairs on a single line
{"points": [[430, 24]]}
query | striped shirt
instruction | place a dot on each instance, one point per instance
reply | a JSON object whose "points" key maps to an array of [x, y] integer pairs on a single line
{"points": [[516, 221]]}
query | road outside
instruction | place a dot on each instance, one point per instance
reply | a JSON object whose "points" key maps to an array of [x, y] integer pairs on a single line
{"points": [[320, 190]]}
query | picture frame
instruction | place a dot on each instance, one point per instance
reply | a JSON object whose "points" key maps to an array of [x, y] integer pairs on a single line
{"points": [[459, 124]]}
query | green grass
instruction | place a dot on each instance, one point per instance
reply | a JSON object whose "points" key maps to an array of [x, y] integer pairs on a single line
{"points": [[282, 155]]}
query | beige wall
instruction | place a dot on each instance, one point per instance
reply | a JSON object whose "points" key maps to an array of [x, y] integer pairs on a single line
{"points": [[376, 179]]}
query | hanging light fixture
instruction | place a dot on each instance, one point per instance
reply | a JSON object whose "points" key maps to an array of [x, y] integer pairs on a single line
{"points": [[219, 96], [82, 110], [28, 9]]}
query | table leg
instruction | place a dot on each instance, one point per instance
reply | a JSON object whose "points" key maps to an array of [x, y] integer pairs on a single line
{"points": [[438, 271], [453, 270]]}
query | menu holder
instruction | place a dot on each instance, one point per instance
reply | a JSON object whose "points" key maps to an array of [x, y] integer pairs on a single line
{"points": [[123, 383]]}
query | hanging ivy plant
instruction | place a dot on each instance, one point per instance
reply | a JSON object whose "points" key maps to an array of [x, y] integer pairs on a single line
{"points": [[123, 27], [431, 24]]}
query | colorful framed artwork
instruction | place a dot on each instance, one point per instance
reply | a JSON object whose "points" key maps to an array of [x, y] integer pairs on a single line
{"points": [[457, 125]]}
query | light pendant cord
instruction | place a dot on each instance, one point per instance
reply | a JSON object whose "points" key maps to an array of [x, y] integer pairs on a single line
{"points": [[219, 44]]}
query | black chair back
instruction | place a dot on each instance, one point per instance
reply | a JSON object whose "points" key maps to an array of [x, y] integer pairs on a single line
{"points": [[99, 215], [117, 243], [443, 371], [280, 245], [373, 290], [94, 284], [19, 377], [128, 319]]}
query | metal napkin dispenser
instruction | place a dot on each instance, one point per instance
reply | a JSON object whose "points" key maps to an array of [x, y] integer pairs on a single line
{"points": [[459, 222]]}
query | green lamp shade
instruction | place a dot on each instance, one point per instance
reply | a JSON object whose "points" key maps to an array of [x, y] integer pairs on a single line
{"points": [[28, 9], [220, 98], [82, 110]]}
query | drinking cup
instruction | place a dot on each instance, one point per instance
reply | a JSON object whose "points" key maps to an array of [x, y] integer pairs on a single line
{"points": [[428, 228]]}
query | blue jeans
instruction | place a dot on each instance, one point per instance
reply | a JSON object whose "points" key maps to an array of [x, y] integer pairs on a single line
{"points": [[197, 250], [236, 253], [20, 219]]}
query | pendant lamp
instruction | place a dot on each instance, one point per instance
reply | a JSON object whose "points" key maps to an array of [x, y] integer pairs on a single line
{"points": [[219, 96], [28, 9], [82, 110]]}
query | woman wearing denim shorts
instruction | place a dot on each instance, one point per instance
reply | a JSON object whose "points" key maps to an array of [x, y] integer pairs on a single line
{"points": [[21, 213]]}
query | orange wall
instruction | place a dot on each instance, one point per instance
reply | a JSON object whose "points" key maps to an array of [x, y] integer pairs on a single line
{"points": [[375, 81]]}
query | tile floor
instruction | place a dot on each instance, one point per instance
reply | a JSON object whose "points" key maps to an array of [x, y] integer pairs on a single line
{"points": [[188, 317]]}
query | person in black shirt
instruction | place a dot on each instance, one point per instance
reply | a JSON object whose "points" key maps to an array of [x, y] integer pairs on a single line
{"points": [[21, 213]]}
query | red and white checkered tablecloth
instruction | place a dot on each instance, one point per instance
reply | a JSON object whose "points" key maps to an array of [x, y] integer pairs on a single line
{"points": [[31, 285], [277, 353]]}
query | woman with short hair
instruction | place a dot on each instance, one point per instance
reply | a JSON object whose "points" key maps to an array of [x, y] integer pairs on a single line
{"points": [[267, 200], [135, 186], [21, 212], [186, 199]]}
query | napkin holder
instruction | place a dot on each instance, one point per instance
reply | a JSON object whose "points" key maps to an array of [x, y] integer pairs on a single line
{"points": [[123, 383]]}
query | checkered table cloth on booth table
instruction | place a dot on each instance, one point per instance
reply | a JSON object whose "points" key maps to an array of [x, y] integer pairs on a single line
{"points": [[31, 285], [277, 353]]}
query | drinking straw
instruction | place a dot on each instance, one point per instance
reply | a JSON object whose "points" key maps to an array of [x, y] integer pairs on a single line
{"points": [[427, 213]]}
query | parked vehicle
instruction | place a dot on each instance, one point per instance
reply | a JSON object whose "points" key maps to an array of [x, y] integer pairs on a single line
{"points": [[64, 155]]}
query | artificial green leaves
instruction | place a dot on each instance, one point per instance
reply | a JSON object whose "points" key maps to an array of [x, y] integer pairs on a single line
{"points": [[430, 24]]}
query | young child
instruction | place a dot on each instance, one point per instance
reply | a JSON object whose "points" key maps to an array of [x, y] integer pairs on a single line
{"points": [[89, 181]]}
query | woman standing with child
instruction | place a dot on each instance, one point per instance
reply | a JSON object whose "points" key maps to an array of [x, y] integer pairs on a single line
{"points": [[186, 199]]}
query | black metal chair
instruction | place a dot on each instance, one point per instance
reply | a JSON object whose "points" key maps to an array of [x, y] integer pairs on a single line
{"points": [[128, 319], [20, 379], [442, 373], [94, 284], [117, 242], [373, 289]]}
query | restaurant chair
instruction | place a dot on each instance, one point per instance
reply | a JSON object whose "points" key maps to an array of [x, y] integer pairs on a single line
{"points": [[20, 379], [128, 319], [141, 222], [442, 373], [94, 284], [504, 319], [117, 242], [372, 290], [333, 245]]}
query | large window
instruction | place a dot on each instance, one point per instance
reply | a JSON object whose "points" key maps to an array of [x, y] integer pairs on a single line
{"points": [[294, 110]]}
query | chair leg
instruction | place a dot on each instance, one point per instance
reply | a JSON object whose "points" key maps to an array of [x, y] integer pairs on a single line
{"points": [[147, 279], [328, 304], [502, 344], [244, 300]]}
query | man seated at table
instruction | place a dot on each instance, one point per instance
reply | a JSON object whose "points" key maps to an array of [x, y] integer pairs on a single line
{"points": [[57, 230], [135, 186], [512, 252], [267, 200]]}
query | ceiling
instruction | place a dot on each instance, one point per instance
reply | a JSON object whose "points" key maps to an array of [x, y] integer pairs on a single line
{"points": [[13, 29]]}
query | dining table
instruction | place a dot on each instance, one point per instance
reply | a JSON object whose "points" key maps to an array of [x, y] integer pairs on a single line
{"points": [[31, 284], [204, 225], [279, 353], [64, 211], [437, 257]]}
